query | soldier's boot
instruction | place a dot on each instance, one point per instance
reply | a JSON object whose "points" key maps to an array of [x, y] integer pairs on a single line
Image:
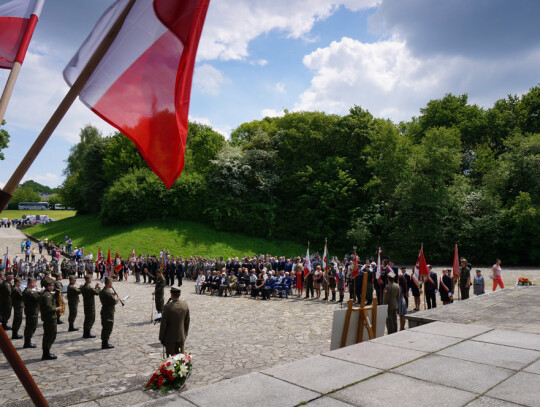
{"points": [[15, 335], [58, 321], [72, 328], [47, 355], [325, 296], [341, 297], [28, 344], [6, 327], [87, 334], [106, 345], [333, 297]]}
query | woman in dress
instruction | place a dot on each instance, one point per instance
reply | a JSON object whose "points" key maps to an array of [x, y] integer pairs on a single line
{"points": [[317, 276]]}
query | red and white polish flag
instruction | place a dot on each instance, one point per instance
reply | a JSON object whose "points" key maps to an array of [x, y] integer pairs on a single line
{"points": [[18, 19], [142, 85]]}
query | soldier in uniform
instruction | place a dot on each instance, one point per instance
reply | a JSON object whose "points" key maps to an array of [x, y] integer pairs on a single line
{"points": [[464, 280], [48, 308], [332, 279], [5, 300], [58, 288], [18, 306], [89, 302], [31, 310], [390, 298], [174, 324], [73, 293], [108, 302], [159, 292]]}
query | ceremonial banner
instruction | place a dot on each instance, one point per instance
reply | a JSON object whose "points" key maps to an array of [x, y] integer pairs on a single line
{"points": [[18, 20], [142, 85], [307, 264], [456, 271], [378, 273], [109, 261], [117, 262], [421, 264], [356, 271]]}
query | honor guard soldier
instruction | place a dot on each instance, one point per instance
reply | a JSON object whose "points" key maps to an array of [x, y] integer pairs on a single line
{"points": [[174, 324], [73, 293], [390, 298], [5, 300], [89, 302], [31, 296], [18, 306], [48, 310], [58, 288], [159, 292], [108, 299]]}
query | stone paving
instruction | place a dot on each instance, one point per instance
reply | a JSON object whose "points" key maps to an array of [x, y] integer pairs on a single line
{"points": [[228, 337]]}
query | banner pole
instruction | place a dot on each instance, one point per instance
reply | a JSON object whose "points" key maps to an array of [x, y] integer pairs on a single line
{"points": [[8, 89], [61, 110]]}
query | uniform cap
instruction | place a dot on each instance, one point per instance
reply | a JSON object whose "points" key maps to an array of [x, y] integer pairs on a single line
{"points": [[48, 281], [88, 276], [56, 275], [9, 273], [31, 280], [108, 279], [391, 275], [17, 279], [72, 277], [175, 290]]}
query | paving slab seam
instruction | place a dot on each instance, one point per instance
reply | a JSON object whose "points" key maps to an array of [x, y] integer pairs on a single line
{"points": [[510, 346]]}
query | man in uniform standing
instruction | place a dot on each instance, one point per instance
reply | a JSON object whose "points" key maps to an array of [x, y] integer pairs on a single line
{"points": [[18, 305], [431, 287], [5, 300], [108, 302], [31, 310], [390, 298], [73, 293], [174, 324], [89, 302], [58, 288], [464, 279], [48, 310], [159, 292]]}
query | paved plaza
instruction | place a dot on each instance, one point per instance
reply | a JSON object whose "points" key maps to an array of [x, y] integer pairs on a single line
{"points": [[278, 350]]}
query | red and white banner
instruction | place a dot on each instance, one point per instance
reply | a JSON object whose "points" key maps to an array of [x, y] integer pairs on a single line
{"points": [[456, 271], [307, 264], [378, 273], [356, 268], [117, 262], [421, 265], [18, 20], [98, 256], [109, 261], [142, 85], [325, 257]]}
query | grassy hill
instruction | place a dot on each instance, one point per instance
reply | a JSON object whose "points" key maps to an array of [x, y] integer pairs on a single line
{"points": [[179, 237]]}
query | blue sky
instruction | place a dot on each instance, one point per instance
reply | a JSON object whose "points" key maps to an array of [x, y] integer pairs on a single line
{"points": [[258, 57]]}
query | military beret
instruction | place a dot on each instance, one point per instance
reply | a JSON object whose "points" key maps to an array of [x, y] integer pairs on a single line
{"points": [[17, 279], [48, 281], [108, 279], [56, 275], [31, 280], [72, 277], [175, 290], [88, 276]]}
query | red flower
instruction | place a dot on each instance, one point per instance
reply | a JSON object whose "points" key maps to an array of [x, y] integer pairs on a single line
{"points": [[168, 363]]}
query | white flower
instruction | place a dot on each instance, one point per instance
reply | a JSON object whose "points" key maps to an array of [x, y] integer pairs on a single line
{"points": [[183, 370]]}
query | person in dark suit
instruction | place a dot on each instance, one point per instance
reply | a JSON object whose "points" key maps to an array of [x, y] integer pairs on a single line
{"points": [[174, 324], [446, 287], [431, 286]]}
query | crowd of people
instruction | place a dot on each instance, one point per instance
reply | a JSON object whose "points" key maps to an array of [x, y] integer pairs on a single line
{"points": [[262, 276]]}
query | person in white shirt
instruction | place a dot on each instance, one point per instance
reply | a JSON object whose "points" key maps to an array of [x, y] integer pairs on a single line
{"points": [[496, 270]]}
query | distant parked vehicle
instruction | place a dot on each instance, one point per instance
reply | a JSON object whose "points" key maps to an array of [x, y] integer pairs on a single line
{"points": [[33, 206], [59, 207]]}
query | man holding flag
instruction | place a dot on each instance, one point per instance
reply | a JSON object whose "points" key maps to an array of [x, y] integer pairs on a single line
{"points": [[308, 276]]}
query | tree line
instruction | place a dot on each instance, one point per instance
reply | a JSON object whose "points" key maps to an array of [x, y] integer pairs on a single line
{"points": [[457, 173]]}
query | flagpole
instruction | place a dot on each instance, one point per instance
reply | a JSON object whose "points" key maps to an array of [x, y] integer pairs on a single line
{"points": [[61, 110], [8, 89]]}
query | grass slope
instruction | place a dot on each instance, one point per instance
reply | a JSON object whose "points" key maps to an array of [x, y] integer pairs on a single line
{"points": [[179, 237], [16, 214]]}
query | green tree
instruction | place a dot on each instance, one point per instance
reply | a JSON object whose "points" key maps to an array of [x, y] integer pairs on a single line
{"points": [[120, 156], [23, 194], [202, 145], [4, 139]]}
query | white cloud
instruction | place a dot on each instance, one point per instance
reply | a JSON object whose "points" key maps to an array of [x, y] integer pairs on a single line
{"points": [[272, 113], [225, 131], [385, 78], [232, 24], [2, 185], [208, 80], [280, 88], [260, 62], [48, 178]]}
